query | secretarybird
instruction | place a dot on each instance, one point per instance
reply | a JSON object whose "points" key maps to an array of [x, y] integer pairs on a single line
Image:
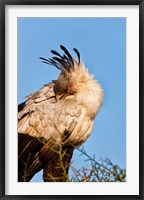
{"points": [[56, 119]]}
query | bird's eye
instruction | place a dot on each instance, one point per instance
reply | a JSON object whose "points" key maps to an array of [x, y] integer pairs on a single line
{"points": [[68, 87]]}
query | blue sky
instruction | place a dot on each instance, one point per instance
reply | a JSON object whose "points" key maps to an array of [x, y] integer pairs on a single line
{"points": [[102, 44]]}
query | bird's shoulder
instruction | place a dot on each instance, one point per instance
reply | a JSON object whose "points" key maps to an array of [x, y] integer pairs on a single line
{"points": [[37, 99], [45, 93]]}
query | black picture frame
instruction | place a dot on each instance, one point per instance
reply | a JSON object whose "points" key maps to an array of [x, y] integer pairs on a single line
{"points": [[3, 3]]}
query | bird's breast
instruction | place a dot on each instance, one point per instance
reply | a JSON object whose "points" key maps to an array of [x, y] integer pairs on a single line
{"points": [[81, 132]]}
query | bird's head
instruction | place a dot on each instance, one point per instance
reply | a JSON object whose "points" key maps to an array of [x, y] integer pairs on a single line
{"points": [[73, 77]]}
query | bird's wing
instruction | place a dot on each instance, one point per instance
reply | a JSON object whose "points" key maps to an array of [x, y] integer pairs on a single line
{"points": [[41, 117], [33, 112], [29, 145], [28, 159]]}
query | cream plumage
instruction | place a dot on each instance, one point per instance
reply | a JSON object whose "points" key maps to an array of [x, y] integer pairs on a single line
{"points": [[60, 113]]}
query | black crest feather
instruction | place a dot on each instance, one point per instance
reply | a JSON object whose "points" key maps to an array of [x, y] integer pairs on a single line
{"points": [[63, 62]]}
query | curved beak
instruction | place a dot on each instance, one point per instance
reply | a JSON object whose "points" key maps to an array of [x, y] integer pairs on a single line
{"points": [[61, 96]]}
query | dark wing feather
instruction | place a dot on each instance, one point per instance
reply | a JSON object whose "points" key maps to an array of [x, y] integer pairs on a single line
{"points": [[57, 170], [28, 160], [21, 106], [34, 155]]}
